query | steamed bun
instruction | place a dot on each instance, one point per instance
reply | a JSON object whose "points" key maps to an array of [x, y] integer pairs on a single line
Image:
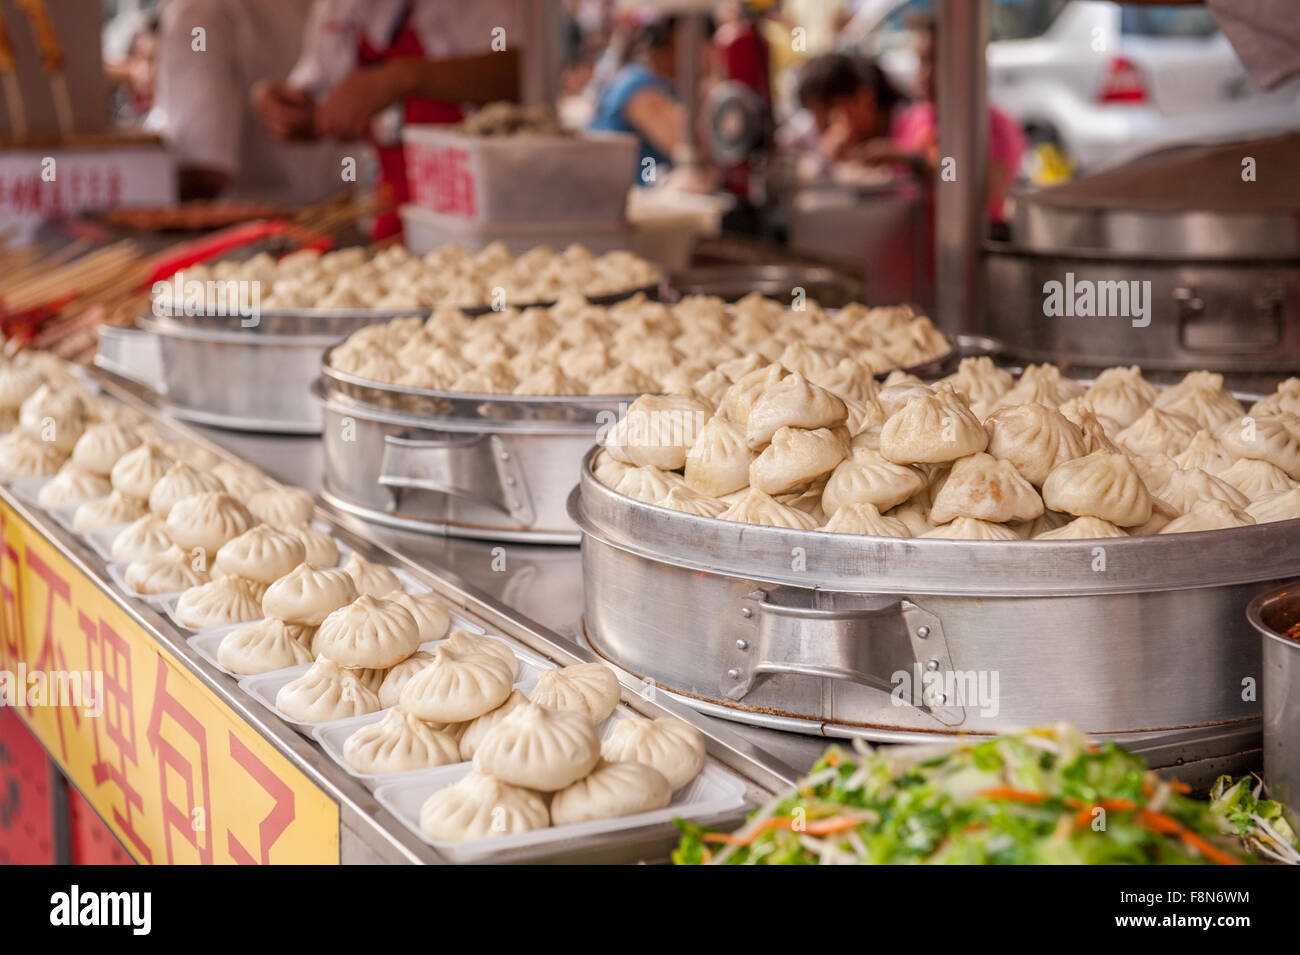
{"points": [[539, 748], [398, 743], [479, 806]]}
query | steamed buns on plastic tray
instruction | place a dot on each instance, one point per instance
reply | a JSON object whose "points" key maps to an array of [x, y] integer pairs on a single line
{"points": [[262, 588], [979, 455], [392, 278], [635, 346]]}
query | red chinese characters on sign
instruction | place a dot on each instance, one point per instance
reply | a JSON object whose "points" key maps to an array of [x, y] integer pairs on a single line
{"points": [[12, 647], [276, 821], [118, 725], [173, 730], [67, 186], [51, 657], [442, 180]]}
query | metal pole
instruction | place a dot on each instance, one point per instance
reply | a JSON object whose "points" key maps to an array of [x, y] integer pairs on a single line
{"points": [[962, 178], [691, 38], [541, 64]]}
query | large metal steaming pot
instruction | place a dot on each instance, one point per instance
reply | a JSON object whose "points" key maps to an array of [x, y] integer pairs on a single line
{"points": [[1220, 251], [837, 632], [496, 467]]}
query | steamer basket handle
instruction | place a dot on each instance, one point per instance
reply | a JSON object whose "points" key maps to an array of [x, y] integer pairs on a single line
{"points": [[889, 644], [476, 467]]}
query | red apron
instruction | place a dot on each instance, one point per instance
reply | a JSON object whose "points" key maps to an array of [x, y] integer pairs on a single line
{"points": [[403, 42]]}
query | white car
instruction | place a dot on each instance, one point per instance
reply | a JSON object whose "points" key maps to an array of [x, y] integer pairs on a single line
{"points": [[1105, 82]]}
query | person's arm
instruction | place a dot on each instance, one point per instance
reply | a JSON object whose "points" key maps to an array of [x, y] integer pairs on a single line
{"points": [[478, 78], [658, 117]]}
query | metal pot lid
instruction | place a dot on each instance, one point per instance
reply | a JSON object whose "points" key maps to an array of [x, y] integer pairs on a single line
{"points": [[1226, 202], [1158, 236], [857, 564]]}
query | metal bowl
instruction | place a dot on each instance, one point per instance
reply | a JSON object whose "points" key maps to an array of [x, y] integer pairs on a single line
{"points": [[830, 288], [1273, 614]]}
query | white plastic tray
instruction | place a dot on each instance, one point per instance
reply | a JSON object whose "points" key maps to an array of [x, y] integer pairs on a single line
{"points": [[206, 642], [713, 792], [117, 574], [27, 489], [263, 687], [333, 735], [101, 542], [167, 603]]}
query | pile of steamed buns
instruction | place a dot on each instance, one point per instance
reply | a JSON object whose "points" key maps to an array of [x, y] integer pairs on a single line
{"points": [[979, 455], [635, 346], [393, 279]]}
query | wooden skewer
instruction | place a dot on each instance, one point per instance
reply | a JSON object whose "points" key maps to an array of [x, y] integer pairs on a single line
{"points": [[53, 60], [13, 95]]}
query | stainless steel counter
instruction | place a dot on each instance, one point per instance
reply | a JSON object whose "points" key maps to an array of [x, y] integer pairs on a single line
{"points": [[541, 586], [542, 583]]}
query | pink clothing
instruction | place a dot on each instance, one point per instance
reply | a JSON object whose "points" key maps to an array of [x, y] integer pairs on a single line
{"points": [[916, 130]]}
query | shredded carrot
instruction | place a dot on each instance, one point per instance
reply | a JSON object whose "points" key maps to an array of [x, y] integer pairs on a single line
{"points": [[832, 825], [1165, 824], [1011, 794], [1207, 850], [1179, 787], [829, 826]]}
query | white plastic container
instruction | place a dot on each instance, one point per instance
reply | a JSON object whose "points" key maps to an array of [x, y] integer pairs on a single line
{"points": [[423, 231], [519, 178], [159, 602]]}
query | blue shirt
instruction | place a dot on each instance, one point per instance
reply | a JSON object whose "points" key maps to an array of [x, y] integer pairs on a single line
{"points": [[611, 111]]}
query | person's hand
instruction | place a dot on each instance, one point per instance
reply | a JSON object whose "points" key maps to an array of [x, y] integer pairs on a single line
{"points": [[286, 113], [346, 112], [837, 140], [693, 179], [883, 152]]}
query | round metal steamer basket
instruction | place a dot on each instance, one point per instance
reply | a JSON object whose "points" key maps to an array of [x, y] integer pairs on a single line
{"points": [[215, 370], [836, 634], [1272, 615], [494, 467]]}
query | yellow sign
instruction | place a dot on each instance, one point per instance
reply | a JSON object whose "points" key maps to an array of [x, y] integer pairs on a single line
{"points": [[177, 775]]}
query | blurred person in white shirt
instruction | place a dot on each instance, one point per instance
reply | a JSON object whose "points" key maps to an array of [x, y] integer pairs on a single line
{"points": [[210, 55]]}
